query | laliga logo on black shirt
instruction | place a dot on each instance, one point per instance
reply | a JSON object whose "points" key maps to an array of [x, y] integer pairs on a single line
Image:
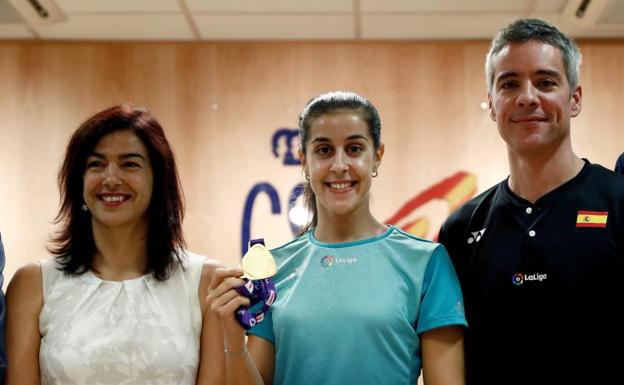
{"points": [[519, 279]]}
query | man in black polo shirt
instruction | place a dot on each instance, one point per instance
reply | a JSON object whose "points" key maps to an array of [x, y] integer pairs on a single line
{"points": [[540, 256], [619, 164]]}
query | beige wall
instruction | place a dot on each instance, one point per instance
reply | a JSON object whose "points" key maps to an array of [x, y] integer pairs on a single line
{"points": [[221, 103]]}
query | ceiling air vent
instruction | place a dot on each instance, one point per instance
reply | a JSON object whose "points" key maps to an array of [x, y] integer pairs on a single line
{"points": [[580, 11], [38, 12], [594, 18]]}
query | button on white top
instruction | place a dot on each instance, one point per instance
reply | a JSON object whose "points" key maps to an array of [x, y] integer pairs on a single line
{"points": [[532, 233], [529, 210]]}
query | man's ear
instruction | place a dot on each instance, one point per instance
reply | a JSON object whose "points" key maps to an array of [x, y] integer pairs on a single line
{"points": [[576, 102], [491, 108]]}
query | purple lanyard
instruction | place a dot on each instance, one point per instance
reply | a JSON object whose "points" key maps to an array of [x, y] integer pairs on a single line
{"points": [[258, 291]]}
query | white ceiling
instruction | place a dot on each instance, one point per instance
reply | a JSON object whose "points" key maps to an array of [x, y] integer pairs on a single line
{"points": [[188, 20]]}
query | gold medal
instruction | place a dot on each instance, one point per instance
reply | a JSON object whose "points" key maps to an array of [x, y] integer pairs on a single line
{"points": [[258, 263]]}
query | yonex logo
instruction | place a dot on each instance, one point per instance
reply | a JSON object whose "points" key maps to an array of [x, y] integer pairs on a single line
{"points": [[476, 236], [459, 307]]}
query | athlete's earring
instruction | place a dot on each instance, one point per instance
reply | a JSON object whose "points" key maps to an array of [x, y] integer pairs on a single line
{"points": [[307, 177], [375, 173], [84, 207]]}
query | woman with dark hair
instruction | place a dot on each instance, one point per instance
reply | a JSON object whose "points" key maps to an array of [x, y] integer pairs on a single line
{"points": [[122, 302], [358, 302]]}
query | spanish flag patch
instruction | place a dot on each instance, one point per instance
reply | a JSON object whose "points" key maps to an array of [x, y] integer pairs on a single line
{"points": [[591, 218]]}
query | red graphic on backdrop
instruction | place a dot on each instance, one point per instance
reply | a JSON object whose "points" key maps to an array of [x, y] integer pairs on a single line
{"points": [[454, 190]]}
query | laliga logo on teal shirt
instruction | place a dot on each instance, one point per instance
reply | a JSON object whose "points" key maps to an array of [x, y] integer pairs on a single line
{"points": [[327, 261]]}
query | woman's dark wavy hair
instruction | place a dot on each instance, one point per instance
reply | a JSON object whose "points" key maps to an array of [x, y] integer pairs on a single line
{"points": [[329, 103], [73, 245]]}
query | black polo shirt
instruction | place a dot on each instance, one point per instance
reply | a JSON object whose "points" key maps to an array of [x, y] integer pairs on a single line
{"points": [[543, 283]]}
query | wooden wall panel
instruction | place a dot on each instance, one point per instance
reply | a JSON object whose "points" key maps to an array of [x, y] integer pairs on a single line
{"points": [[220, 104]]}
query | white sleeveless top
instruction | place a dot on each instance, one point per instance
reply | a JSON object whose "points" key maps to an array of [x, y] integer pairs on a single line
{"points": [[138, 331]]}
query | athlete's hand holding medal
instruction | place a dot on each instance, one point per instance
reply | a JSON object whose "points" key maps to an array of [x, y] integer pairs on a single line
{"points": [[241, 296], [258, 267]]}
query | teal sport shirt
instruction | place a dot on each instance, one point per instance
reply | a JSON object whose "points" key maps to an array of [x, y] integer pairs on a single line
{"points": [[352, 313]]}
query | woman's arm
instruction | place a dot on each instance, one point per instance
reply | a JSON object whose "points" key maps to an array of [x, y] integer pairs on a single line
{"points": [[24, 303], [262, 353], [443, 356], [211, 369], [243, 366]]}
